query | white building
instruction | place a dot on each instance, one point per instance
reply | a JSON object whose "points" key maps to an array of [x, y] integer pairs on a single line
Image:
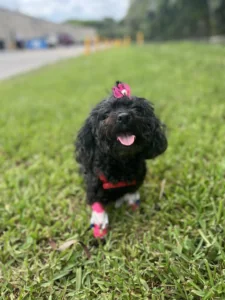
{"points": [[15, 25]]}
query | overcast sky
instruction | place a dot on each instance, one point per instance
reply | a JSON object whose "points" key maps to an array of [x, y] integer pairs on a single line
{"points": [[60, 10]]}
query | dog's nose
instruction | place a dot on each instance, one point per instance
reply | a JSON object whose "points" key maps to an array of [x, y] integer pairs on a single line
{"points": [[123, 118]]}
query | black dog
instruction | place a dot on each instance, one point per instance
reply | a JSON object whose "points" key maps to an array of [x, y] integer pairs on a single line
{"points": [[118, 136]]}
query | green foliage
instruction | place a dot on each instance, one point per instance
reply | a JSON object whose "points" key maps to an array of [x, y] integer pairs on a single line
{"points": [[91, 23], [165, 20], [181, 19], [220, 18], [175, 19], [107, 28], [173, 248]]}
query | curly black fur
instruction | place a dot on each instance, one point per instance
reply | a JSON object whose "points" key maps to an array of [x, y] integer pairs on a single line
{"points": [[99, 152]]}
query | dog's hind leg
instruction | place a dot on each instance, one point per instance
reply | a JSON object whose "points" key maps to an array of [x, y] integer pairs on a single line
{"points": [[133, 200], [99, 220]]}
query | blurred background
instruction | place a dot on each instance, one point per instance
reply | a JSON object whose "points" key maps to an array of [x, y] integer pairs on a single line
{"points": [[174, 247], [32, 24]]}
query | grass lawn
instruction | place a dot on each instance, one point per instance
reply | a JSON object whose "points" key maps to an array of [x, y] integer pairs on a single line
{"points": [[174, 247]]}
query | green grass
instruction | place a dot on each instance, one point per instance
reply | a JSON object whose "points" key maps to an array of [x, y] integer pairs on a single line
{"points": [[176, 252]]}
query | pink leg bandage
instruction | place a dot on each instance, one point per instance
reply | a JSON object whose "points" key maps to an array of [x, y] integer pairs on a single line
{"points": [[99, 220]]}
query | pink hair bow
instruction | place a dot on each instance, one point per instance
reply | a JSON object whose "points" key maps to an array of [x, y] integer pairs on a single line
{"points": [[121, 90]]}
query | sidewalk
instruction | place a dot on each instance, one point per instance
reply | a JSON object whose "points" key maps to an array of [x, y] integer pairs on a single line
{"points": [[17, 62]]}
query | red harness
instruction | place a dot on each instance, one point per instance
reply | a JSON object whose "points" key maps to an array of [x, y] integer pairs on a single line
{"points": [[109, 185]]}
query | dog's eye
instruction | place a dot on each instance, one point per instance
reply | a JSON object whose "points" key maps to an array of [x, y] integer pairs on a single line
{"points": [[104, 116]]}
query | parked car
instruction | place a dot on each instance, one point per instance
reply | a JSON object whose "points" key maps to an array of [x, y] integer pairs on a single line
{"points": [[65, 39], [36, 43], [52, 41], [2, 44], [20, 44], [19, 41]]}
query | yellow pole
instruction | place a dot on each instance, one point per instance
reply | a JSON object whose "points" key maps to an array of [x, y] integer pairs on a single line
{"points": [[140, 38], [127, 41], [87, 46], [118, 43]]}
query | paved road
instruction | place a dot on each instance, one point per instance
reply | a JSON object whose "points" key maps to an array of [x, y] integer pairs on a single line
{"points": [[16, 62]]}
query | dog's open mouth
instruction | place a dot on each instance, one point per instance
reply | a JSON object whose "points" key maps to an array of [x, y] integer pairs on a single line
{"points": [[126, 139]]}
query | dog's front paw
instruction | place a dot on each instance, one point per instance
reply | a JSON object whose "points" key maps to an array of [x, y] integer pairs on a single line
{"points": [[99, 220]]}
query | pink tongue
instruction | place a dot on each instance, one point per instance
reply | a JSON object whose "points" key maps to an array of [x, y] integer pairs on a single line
{"points": [[126, 140]]}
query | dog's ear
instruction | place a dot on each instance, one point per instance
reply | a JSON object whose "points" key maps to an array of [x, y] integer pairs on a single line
{"points": [[85, 144], [157, 141]]}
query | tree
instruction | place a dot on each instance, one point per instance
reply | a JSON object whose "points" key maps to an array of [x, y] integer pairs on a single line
{"points": [[169, 19], [166, 19], [220, 18]]}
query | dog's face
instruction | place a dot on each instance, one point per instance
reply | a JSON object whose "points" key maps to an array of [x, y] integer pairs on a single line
{"points": [[126, 127]]}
